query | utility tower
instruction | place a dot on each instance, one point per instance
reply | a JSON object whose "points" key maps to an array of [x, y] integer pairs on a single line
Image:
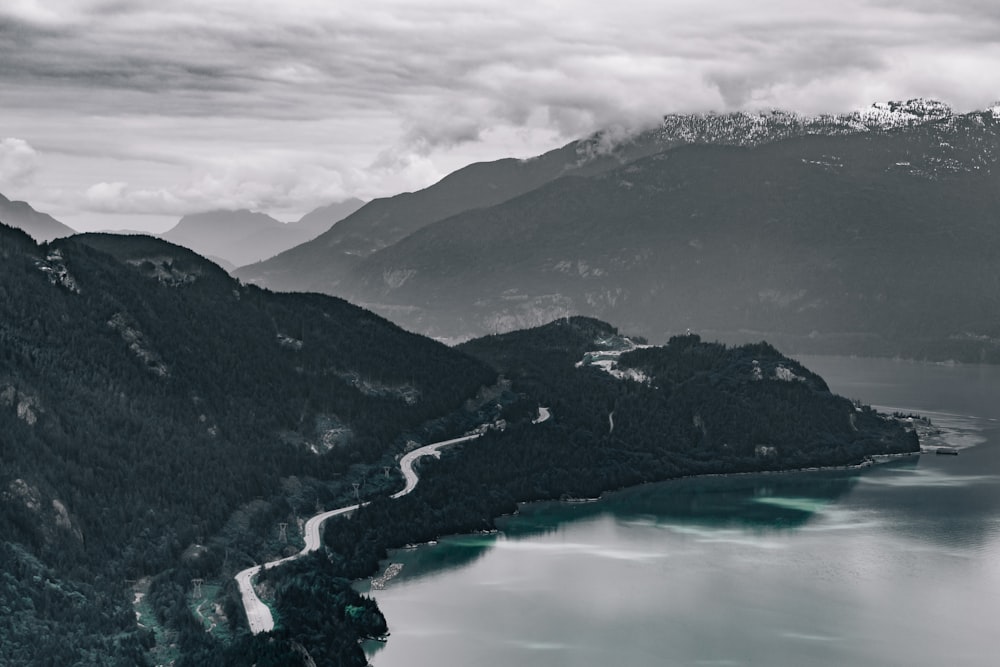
{"points": [[357, 492], [196, 584], [282, 528], [386, 469]]}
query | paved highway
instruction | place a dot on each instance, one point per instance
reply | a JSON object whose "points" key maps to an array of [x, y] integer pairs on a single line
{"points": [[259, 614]]}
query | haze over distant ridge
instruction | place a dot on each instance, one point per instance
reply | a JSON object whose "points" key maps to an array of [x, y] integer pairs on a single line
{"points": [[243, 237]]}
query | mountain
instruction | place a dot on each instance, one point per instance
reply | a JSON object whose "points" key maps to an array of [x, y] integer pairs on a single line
{"points": [[158, 420], [41, 226], [323, 218], [164, 426], [621, 413], [322, 263], [880, 242], [241, 237]]}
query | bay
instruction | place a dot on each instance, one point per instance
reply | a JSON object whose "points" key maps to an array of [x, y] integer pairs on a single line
{"points": [[898, 564]]}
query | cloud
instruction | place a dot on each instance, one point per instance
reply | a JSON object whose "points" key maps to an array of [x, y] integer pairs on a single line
{"points": [[243, 103], [230, 185], [277, 184], [18, 161]]}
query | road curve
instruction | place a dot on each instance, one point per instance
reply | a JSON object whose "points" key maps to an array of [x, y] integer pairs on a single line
{"points": [[259, 614], [433, 449]]}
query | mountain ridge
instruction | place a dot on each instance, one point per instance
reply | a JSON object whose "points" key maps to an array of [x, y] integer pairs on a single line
{"points": [[321, 264], [158, 419], [242, 236], [767, 233], [40, 226]]}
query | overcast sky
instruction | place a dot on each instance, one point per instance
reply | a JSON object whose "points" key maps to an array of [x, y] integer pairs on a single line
{"points": [[130, 113]]}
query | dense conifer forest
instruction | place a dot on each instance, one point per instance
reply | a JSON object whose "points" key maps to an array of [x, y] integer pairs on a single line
{"points": [[162, 424], [159, 419]]}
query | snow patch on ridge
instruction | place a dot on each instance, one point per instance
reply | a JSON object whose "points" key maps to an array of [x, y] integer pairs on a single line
{"points": [[747, 128]]}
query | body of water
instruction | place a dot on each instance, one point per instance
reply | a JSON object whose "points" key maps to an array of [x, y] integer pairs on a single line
{"points": [[898, 564]]}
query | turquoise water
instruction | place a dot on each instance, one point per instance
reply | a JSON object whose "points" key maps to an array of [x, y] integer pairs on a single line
{"points": [[893, 565]]}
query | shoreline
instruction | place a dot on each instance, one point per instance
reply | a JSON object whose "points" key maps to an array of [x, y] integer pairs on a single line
{"points": [[868, 463], [259, 616], [367, 585]]}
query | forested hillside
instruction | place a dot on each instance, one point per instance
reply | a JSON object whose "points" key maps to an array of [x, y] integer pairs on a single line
{"points": [[163, 426], [156, 416], [622, 415]]}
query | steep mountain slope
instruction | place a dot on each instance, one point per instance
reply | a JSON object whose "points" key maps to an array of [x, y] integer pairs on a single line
{"points": [[878, 242], [321, 264], [241, 237], [157, 415], [41, 226], [321, 219]]}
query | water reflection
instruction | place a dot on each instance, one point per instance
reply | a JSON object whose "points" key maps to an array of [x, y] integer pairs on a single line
{"points": [[894, 564], [717, 509], [456, 551], [757, 502]]}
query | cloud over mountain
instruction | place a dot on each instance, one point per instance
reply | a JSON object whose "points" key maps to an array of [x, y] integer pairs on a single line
{"points": [[414, 90]]}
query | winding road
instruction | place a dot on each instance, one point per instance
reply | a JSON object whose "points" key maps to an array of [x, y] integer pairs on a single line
{"points": [[259, 614]]}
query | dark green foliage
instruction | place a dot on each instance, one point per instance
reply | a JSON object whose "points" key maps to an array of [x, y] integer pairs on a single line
{"points": [[145, 396], [708, 409], [157, 418]]}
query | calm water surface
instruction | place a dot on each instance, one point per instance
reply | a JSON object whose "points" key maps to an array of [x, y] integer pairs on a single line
{"points": [[894, 565]]}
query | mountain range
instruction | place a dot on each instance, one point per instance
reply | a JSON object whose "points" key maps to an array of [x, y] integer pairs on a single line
{"points": [[230, 238], [41, 226], [871, 233], [235, 238]]}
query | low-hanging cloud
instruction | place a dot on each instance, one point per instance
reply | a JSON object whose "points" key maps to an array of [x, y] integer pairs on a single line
{"points": [[278, 184]]}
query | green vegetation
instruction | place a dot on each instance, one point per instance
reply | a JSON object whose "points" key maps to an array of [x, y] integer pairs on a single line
{"points": [[159, 421], [706, 409]]}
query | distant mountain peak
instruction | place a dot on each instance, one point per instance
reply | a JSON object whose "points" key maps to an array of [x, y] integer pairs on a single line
{"points": [[40, 226], [238, 237], [244, 218]]}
